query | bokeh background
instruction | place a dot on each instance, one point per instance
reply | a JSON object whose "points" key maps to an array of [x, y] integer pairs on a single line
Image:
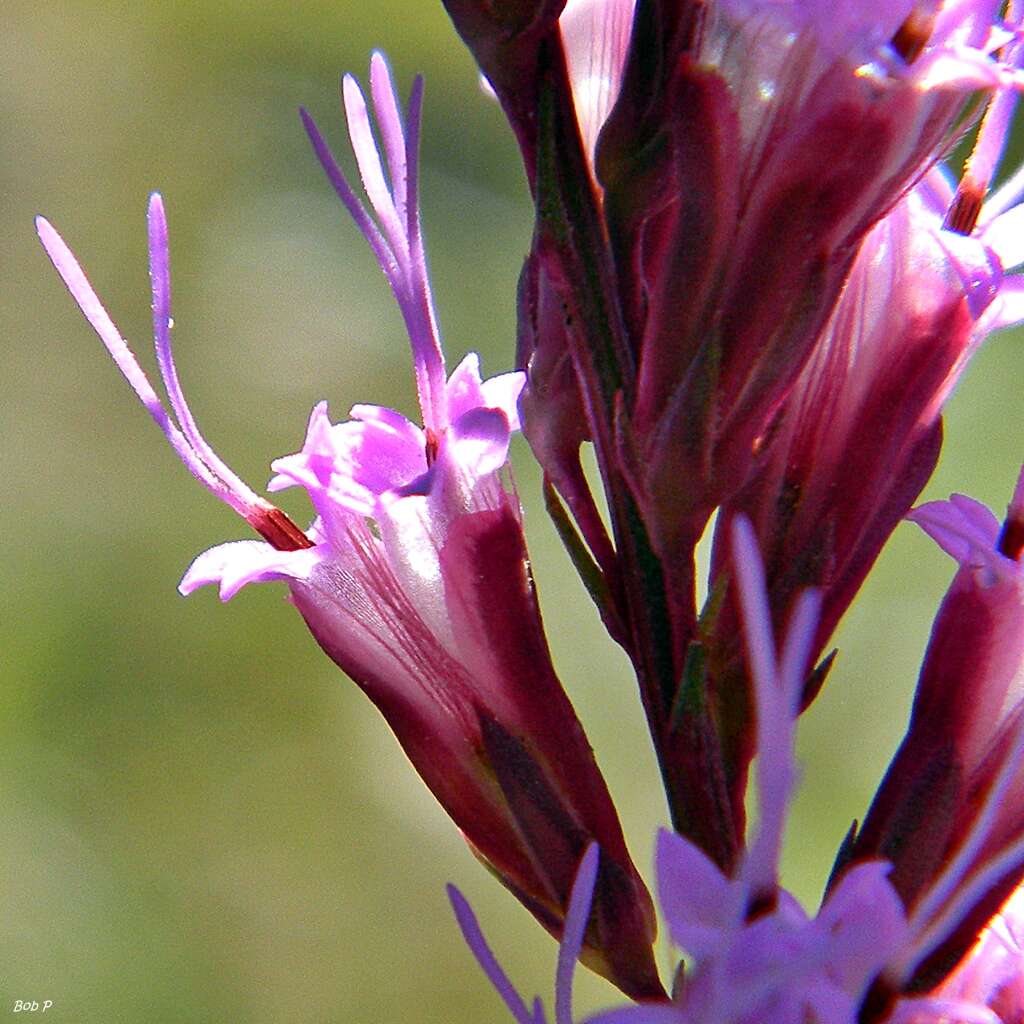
{"points": [[200, 818]]}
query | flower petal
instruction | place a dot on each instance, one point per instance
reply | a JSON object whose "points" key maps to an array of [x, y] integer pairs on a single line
{"points": [[700, 904], [237, 563]]}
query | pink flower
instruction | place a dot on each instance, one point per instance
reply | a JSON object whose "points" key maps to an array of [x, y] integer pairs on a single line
{"points": [[754, 956], [743, 166], [859, 435], [964, 749], [414, 576]]}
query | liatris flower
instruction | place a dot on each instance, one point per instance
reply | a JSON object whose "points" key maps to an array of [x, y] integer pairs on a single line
{"points": [[684, 301], [961, 764], [754, 955], [863, 419], [858, 438], [751, 147], [751, 287], [413, 577], [852, 447]]}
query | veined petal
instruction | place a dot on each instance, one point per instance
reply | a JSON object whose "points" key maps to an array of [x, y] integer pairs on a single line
{"points": [[237, 563]]}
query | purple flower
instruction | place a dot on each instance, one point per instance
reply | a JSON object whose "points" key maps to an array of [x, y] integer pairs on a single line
{"points": [[858, 437], [754, 955], [776, 136], [751, 288], [964, 748], [414, 577]]}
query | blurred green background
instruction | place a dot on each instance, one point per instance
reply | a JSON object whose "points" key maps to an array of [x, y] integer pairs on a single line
{"points": [[200, 818]]}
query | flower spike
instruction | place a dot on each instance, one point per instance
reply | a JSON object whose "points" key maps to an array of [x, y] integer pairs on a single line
{"points": [[414, 576]]}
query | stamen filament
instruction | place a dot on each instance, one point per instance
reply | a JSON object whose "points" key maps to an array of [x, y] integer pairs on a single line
{"points": [[371, 171], [99, 319], [184, 436], [159, 272], [575, 927], [396, 240], [777, 690], [390, 124], [474, 936]]}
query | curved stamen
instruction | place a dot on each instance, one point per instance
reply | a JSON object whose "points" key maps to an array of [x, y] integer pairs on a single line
{"points": [[433, 356], [160, 278], [395, 237], [88, 302], [183, 436], [371, 171], [367, 228], [390, 121]]}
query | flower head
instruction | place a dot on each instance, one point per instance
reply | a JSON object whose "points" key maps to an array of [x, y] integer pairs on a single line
{"points": [[754, 955], [413, 577], [858, 437], [785, 131], [964, 748]]}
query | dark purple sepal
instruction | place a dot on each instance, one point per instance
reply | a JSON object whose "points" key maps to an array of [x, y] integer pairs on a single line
{"points": [[962, 734], [554, 421], [617, 940], [635, 157], [537, 749], [570, 243], [507, 38]]}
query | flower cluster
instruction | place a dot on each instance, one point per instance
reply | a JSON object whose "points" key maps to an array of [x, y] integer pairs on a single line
{"points": [[752, 287], [754, 955]]}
